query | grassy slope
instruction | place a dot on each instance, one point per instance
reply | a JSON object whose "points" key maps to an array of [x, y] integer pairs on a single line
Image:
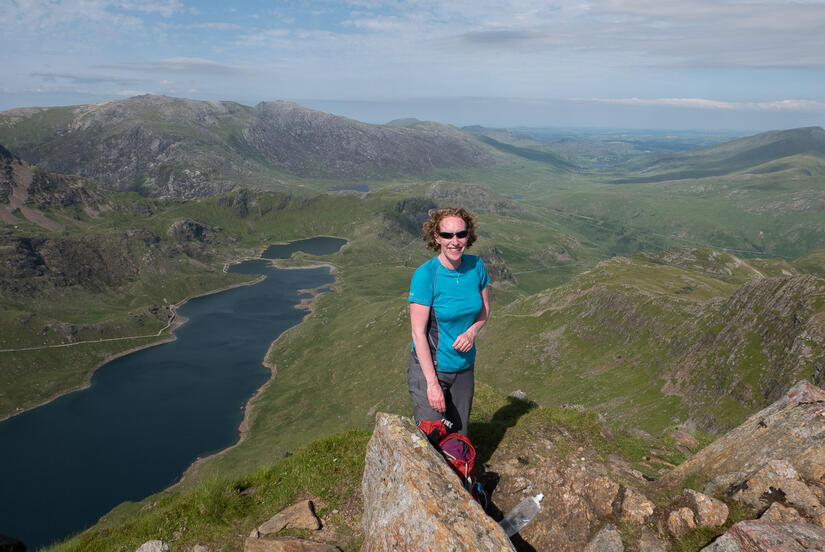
{"points": [[614, 339]]}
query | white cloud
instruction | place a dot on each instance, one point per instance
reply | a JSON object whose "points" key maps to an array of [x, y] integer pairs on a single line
{"points": [[701, 103], [178, 65], [165, 8]]}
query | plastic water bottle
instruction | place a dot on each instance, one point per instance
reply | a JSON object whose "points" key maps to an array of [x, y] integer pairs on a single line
{"points": [[521, 515]]}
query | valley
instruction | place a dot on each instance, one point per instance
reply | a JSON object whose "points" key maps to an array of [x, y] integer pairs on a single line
{"points": [[660, 290]]}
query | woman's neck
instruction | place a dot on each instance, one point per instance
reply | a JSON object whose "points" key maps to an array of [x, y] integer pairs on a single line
{"points": [[447, 263]]}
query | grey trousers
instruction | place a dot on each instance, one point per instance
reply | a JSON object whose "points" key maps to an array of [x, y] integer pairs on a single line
{"points": [[458, 388]]}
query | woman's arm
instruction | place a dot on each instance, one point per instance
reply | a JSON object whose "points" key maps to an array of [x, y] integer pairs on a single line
{"points": [[419, 315], [464, 342]]}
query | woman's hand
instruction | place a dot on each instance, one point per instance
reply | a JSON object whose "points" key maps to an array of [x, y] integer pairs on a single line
{"points": [[435, 396], [464, 342]]}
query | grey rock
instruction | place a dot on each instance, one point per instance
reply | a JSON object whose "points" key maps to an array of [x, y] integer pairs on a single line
{"points": [[413, 501], [300, 515], [608, 539], [765, 536], [153, 546], [649, 541]]}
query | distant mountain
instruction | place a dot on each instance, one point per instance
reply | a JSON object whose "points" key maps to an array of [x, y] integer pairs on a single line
{"points": [[758, 154], [166, 146]]}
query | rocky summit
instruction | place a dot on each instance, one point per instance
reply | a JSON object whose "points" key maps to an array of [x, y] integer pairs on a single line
{"points": [[770, 471]]}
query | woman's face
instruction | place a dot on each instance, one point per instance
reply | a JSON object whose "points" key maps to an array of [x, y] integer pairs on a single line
{"points": [[452, 247]]}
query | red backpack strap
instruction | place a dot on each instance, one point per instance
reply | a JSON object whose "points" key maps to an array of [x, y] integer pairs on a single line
{"points": [[434, 430]]}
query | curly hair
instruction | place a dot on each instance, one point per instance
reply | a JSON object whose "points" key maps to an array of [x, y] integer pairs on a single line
{"points": [[430, 229]]}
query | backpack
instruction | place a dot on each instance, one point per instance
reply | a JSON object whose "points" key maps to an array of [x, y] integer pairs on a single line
{"points": [[459, 454]]}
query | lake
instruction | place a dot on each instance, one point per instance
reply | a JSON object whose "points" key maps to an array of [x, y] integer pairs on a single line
{"points": [[148, 415]]}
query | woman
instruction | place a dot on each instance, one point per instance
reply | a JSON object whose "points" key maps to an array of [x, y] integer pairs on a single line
{"points": [[449, 304]]}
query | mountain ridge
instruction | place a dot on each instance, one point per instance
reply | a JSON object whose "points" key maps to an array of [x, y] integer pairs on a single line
{"points": [[165, 146], [730, 157]]}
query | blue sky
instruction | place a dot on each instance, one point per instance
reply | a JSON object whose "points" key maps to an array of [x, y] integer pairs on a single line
{"points": [[706, 64]]}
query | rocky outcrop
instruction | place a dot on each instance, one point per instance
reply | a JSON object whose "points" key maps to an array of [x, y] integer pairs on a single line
{"points": [[764, 536], [413, 501], [786, 438]]}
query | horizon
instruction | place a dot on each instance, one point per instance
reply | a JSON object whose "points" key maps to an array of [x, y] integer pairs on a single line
{"points": [[703, 66], [371, 113]]}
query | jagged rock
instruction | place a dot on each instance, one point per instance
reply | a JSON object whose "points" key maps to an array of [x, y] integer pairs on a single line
{"points": [[793, 427], [153, 546], [286, 544], [680, 522], [608, 539], [649, 542], [709, 512], [636, 508], [763, 536], [776, 480], [778, 513], [413, 501], [300, 515], [8, 544]]}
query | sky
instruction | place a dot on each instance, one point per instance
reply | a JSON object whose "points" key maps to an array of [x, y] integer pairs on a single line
{"points": [[745, 65]]}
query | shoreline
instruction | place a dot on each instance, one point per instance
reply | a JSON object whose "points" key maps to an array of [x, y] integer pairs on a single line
{"points": [[177, 322], [307, 304]]}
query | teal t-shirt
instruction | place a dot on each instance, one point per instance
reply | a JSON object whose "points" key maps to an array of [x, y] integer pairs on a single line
{"points": [[454, 298]]}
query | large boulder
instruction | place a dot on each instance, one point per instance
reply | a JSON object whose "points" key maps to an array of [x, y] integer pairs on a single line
{"points": [[413, 501]]}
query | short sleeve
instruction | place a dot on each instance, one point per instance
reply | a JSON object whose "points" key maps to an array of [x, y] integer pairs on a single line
{"points": [[421, 286], [483, 278]]}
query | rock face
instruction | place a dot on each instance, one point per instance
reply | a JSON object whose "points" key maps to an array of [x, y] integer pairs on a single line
{"points": [[792, 431], [413, 501], [764, 536]]}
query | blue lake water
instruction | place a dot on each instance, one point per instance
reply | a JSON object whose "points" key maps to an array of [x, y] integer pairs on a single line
{"points": [[148, 415]]}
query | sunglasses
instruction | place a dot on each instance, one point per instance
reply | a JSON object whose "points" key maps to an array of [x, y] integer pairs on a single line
{"points": [[449, 235]]}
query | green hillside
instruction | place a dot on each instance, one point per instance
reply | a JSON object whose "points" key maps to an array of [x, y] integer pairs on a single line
{"points": [[730, 157]]}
